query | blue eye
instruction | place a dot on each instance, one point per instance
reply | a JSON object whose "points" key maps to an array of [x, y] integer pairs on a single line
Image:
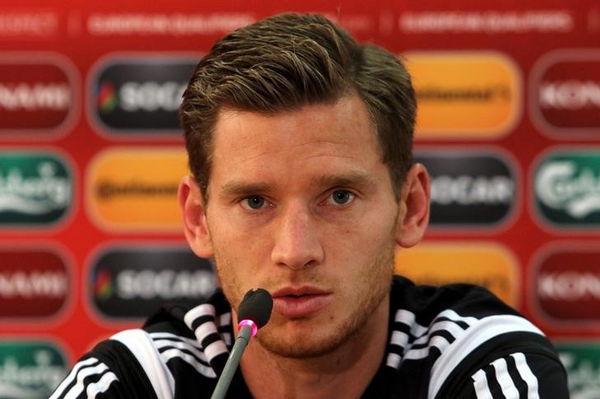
{"points": [[254, 202], [342, 197]]}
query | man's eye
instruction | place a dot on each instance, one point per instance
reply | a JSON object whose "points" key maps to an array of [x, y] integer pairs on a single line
{"points": [[253, 202], [342, 197]]}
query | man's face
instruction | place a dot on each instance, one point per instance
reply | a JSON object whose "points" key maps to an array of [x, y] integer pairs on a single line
{"points": [[300, 203]]}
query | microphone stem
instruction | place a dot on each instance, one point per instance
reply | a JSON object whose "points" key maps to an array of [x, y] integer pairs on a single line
{"points": [[232, 362]]}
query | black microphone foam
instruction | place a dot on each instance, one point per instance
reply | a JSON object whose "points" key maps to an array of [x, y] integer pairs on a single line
{"points": [[256, 306]]}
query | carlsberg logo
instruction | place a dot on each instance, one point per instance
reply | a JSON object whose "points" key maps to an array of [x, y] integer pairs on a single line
{"points": [[34, 188], [582, 363], [30, 370], [567, 188], [561, 185]]}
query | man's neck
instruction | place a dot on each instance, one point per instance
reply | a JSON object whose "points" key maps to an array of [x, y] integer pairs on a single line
{"points": [[344, 373]]}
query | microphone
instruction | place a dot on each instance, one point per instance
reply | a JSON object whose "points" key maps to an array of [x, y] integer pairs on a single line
{"points": [[254, 312]]}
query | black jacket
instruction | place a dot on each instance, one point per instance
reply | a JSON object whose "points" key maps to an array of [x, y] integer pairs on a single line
{"points": [[452, 342]]}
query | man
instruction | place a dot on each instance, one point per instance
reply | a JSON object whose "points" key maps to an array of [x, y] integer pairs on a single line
{"points": [[303, 184]]}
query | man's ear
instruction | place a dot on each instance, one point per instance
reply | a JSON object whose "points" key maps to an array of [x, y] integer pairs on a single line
{"points": [[413, 216], [193, 210]]}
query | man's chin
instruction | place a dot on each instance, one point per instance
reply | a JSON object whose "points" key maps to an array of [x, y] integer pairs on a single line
{"points": [[301, 346], [303, 338]]}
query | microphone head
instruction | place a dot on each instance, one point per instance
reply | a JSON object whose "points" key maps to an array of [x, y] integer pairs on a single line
{"points": [[256, 306]]}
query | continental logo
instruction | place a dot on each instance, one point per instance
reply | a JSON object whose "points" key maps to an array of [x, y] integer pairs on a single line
{"points": [[136, 188], [38, 93], [464, 95], [565, 93], [567, 283], [30, 368], [139, 95], [582, 363], [567, 188], [469, 188], [36, 188], [34, 284], [133, 282], [485, 264]]}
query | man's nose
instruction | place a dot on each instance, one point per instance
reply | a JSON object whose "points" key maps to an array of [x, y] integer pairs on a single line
{"points": [[297, 239]]}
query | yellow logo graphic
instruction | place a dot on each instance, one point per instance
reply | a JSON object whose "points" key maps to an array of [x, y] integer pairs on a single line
{"points": [[136, 189], [464, 95], [487, 264]]}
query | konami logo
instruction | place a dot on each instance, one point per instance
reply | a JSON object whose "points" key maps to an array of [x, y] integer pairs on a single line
{"points": [[567, 283], [565, 92], [570, 94], [37, 93], [34, 283]]}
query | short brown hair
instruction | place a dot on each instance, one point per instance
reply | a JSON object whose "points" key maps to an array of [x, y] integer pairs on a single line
{"points": [[289, 60]]}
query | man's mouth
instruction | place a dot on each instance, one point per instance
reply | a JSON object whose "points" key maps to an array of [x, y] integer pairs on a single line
{"points": [[299, 302]]}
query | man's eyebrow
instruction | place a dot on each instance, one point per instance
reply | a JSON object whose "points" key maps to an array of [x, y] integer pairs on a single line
{"points": [[236, 189], [347, 179]]}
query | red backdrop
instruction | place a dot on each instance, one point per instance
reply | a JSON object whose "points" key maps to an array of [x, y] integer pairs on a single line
{"points": [[90, 154]]}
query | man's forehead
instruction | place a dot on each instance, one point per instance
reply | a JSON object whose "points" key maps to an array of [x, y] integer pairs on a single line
{"points": [[328, 142], [351, 99], [347, 120]]}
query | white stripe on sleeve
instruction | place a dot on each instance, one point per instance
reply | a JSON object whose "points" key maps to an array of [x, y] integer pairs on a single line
{"points": [[77, 389], [206, 371], [509, 390], [480, 332], [439, 342], [205, 309], [527, 375], [72, 375], [101, 386], [393, 360], [140, 344], [480, 385]]}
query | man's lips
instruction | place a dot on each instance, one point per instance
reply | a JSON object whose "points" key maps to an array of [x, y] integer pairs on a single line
{"points": [[298, 302]]}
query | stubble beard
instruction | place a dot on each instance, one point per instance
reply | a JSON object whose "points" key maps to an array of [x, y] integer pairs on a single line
{"points": [[374, 286]]}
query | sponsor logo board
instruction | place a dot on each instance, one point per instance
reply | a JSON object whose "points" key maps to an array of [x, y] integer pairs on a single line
{"points": [[30, 368], [566, 187], [567, 284], [464, 95], [38, 94], [565, 93], [36, 188], [136, 188], [469, 188], [486, 264], [582, 363], [133, 95], [134, 282], [34, 283]]}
